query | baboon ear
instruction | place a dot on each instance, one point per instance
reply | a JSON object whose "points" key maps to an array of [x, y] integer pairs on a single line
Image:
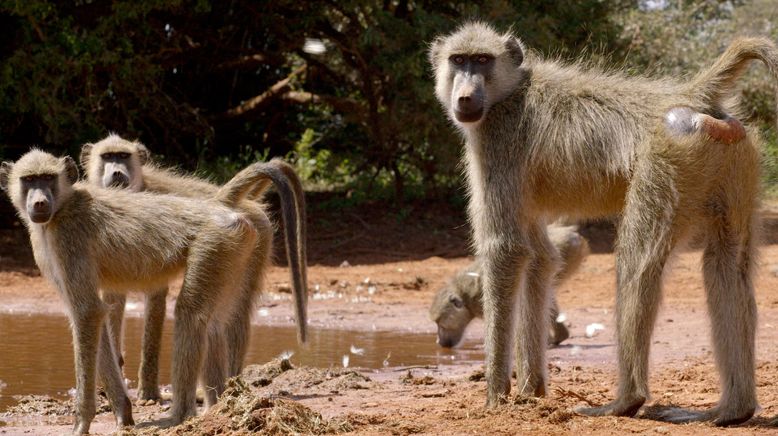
{"points": [[71, 169], [144, 155], [5, 174], [515, 49], [86, 153], [434, 51]]}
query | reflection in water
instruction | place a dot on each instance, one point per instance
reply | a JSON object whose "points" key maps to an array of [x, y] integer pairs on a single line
{"points": [[37, 352]]}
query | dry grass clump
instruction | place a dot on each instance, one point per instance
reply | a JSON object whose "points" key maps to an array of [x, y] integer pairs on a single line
{"points": [[241, 411]]}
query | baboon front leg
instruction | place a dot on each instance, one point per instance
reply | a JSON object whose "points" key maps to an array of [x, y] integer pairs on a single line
{"points": [[111, 377], [503, 267], [116, 303], [86, 319], [645, 240], [532, 332], [148, 374]]}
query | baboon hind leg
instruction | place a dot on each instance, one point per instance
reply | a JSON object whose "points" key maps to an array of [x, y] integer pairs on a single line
{"points": [[238, 328], [206, 297], [728, 262], [215, 365], [646, 237], [154, 316]]}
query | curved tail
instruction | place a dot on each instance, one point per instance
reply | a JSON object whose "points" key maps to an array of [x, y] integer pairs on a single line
{"points": [[717, 82], [250, 182]]}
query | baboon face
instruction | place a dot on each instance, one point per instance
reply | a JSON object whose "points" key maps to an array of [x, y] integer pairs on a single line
{"points": [[451, 314], [114, 162], [37, 184], [474, 68], [116, 169]]}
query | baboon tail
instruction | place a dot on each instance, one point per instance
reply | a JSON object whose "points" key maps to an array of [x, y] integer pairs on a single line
{"points": [[250, 182], [717, 82]]}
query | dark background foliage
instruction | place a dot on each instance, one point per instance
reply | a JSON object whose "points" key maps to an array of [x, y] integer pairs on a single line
{"points": [[341, 88]]}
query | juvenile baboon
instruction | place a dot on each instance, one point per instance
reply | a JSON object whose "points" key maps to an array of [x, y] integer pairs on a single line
{"points": [[457, 303], [117, 162], [85, 238], [544, 139]]}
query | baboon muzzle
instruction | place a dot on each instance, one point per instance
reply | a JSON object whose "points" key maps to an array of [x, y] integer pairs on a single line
{"points": [[119, 180]]}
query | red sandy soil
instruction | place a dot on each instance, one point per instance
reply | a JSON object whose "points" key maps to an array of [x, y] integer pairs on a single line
{"points": [[449, 400]]}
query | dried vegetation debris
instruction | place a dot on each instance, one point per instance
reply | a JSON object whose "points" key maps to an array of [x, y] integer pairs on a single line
{"points": [[285, 378], [242, 411], [41, 405], [263, 375]]}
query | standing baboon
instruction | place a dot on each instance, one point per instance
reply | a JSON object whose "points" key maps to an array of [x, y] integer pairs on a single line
{"points": [[545, 139], [116, 162], [457, 303], [85, 238]]}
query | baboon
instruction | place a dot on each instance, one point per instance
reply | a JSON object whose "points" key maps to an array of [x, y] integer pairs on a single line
{"points": [[544, 138], [85, 238], [117, 162], [457, 303]]}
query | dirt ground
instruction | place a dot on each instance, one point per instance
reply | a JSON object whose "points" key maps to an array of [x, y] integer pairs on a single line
{"points": [[277, 399]]}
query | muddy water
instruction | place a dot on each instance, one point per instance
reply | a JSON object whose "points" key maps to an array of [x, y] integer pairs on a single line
{"points": [[36, 353]]}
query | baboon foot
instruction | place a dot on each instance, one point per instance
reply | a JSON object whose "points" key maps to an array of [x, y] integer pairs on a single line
{"points": [[146, 393], [491, 403], [719, 418], [172, 420], [619, 407], [560, 334], [124, 417], [82, 425]]}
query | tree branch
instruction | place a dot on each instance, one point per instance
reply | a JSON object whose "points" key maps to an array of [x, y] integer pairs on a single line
{"points": [[344, 105], [261, 100]]}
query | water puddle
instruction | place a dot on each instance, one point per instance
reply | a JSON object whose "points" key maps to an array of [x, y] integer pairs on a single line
{"points": [[37, 352]]}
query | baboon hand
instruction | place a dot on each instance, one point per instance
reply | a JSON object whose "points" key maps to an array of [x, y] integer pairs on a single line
{"points": [[81, 426], [620, 407]]}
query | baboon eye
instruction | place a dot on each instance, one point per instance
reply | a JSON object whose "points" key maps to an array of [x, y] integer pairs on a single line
{"points": [[107, 155], [456, 301], [28, 178], [48, 177], [458, 59], [123, 155], [483, 59]]}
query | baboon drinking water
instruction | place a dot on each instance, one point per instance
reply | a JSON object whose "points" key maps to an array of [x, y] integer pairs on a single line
{"points": [[545, 139], [117, 162], [457, 303], [86, 238]]}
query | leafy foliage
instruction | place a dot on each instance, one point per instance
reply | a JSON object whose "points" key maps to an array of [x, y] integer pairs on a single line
{"points": [[340, 87]]}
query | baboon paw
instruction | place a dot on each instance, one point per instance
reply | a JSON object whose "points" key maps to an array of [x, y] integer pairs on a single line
{"points": [[146, 395], [615, 408], [124, 417], [676, 415], [727, 419], [166, 422], [81, 426], [495, 401]]}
